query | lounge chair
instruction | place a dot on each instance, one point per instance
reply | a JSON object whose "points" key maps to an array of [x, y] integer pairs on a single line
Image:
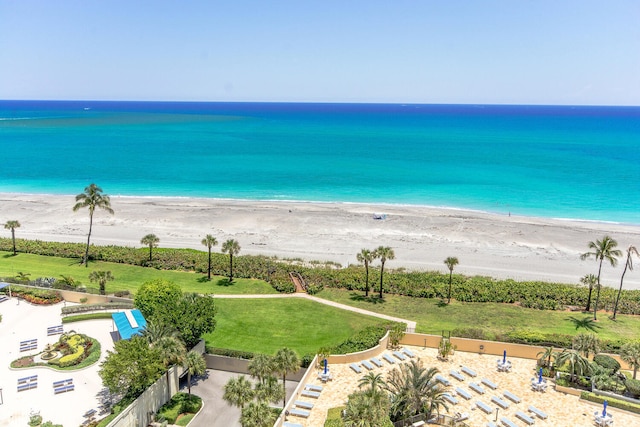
{"points": [[310, 393], [507, 422], [491, 424], [512, 397], [388, 358], [484, 407], [538, 412], [524, 417], [462, 417], [302, 404], [475, 387], [367, 365], [463, 393], [313, 387], [299, 413], [456, 375], [489, 383], [469, 371], [442, 380], [450, 399], [288, 424], [376, 362], [501, 403], [408, 352], [399, 355], [355, 368]]}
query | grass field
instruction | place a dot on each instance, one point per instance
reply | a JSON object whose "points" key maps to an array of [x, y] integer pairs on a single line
{"points": [[432, 317], [268, 324], [127, 277]]}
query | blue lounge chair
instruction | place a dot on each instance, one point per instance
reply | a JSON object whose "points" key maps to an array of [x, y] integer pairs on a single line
{"points": [[524, 417], [399, 355], [475, 387], [538, 412], [469, 372], [408, 352], [501, 403], [388, 358], [489, 383], [442, 380], [299, 413], [367, 365], [302, 404], [356, 369], [456, 375], [376, 362], [507, 422], [288, 424], [484, 407], [512, 397], [310, 393], [463, 393], [313, 387], [450, 398]]}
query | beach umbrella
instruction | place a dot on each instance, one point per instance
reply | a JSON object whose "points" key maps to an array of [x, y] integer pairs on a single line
{"points": [[504, 357], [540, 376], [604, 409], [325, 366]]}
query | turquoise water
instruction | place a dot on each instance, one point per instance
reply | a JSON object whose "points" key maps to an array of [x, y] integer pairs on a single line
{"points": [[568, 162]]}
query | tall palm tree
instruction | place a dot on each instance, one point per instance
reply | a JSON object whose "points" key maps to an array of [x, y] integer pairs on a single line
{"points": [[12, 225], [152, 241], [630, 353], [194, 364], [384, 253], [102, 277], [261, 367], [269, 390], [209, 241], [590, 281], [92, 198], [366, 257], [628, 265], [450, 262], [601, 250], [232, 247], [586, 344], [578, 365], [414, 390], [373, 381], [238, 391], [285, 361], [172, 352], [257, 414]]}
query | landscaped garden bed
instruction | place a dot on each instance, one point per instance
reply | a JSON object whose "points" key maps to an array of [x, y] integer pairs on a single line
{"points": [[71, 351]]}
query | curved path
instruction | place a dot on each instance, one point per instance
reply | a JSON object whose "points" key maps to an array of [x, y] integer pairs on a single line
{"points": [[411, 325]]}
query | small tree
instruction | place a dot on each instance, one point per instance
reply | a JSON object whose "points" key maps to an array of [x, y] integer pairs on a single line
{"points": [[195, 365], [545, 356], [232, 247], [628, 265], [12, 225], [630, 353], [590, 281], [209, 241], [450, 262], [586, 344], [578, 365], [102, 277], [152, 241], [238, 391]]}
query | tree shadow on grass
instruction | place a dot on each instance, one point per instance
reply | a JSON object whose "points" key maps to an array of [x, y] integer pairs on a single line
{"points": [[225, 283], [9, 255], [586, 323], [372, 299], [203, 279], [441, 303]]}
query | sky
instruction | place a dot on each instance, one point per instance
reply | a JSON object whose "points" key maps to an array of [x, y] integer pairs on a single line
{"points": [[554, 52]]}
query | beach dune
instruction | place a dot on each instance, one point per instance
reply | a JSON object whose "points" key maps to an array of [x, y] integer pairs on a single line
{"points": [[522, 248]]}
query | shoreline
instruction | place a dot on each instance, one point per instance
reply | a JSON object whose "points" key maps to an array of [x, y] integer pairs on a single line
{"points": [[501, 246]]}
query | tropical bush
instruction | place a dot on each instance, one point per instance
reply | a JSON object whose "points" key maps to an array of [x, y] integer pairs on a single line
{"points": [[238, 354], [607, 362], [633, 387], [97, 307], [363, 339], [34, 296], [180, 403]]}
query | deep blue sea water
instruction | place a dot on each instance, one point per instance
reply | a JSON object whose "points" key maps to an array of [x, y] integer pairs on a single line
{"points": [[549, 161]]}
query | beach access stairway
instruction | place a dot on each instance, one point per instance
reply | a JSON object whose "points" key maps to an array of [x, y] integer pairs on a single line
{"points": [[298, 282]]}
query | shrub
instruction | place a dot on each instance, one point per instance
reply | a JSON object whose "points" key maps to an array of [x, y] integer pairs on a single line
{"points": [[607, 362], [633, 387], [230, 353], [621, 404], [306, 360]]}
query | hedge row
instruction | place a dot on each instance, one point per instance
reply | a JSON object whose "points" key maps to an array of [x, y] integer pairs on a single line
{"points": [[620, 404], [34, 296], [531, 294], [96, 307]]}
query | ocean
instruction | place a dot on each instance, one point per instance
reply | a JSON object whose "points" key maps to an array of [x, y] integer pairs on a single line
{"points": [[546, 161]]}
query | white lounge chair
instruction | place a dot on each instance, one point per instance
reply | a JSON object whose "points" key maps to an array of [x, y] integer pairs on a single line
{"points": [[524, 417], [501, 403], [512, 397], [399, 355], [302, 404], [388, 358], [475, 387], [538, 412], [484, 407], [367, 365], [376, 362], [299, 413], [408, 352], [355, 368], [469, 371], [489, 383], [456, 375], [313, 387]]}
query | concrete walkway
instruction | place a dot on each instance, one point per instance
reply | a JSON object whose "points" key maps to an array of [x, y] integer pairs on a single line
{"points": [[411, 325]]}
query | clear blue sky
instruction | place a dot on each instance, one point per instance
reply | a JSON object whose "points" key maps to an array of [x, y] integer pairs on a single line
{"points": [[422, 51]]}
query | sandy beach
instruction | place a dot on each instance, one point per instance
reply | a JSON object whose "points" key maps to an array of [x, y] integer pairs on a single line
{"points": [[504, 246]]}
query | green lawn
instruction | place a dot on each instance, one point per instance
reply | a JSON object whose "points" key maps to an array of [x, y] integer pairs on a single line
{"points": [[433, 317], [266, 325], [127, 277]]}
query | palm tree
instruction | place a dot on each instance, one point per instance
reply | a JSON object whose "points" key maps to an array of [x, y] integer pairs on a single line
{"points": [[367, 410], [285, 361], [209, 241], [374, 381], [152, 241], [627, 265], [102, 277], [22, 277], [195, 365], [257, 414], [12, 225], [586, 344], [269, 390], [238, 391], [232, 247], [450, 262], [414, 390], [366, 256], [384, 253], [172, 352], [578, 365], [630, 353], [544, 356], [155, 330], [590, 281], [92, 198], [601, 250], [261, 367]]}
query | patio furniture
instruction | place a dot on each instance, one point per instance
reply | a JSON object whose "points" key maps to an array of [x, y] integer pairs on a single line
{"points": [[388, 358], [442, 380], [507, 422], [27, 383], [463, 393], [376, 362], [469, 372], [399, 355], [408, 352], [63, 386], [4, 298], [524, 417], [456, 375], [302, 404], [539, 386], [355, 368], [54, 330], [489, 383], [501, 403], [484, 407], [288, 424], [313, 387], [491, 424], [503, 367], [310, 393], [512, 397], [462, 416], [475, 387], [450, 399], [601, 421], [29, 345], [367, 365], [300, 413], [538, 412], [418, 424], [325, 377]]}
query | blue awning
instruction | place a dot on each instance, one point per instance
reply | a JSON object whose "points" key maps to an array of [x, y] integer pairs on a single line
{"points": [[3, 285], [124, 327]]}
